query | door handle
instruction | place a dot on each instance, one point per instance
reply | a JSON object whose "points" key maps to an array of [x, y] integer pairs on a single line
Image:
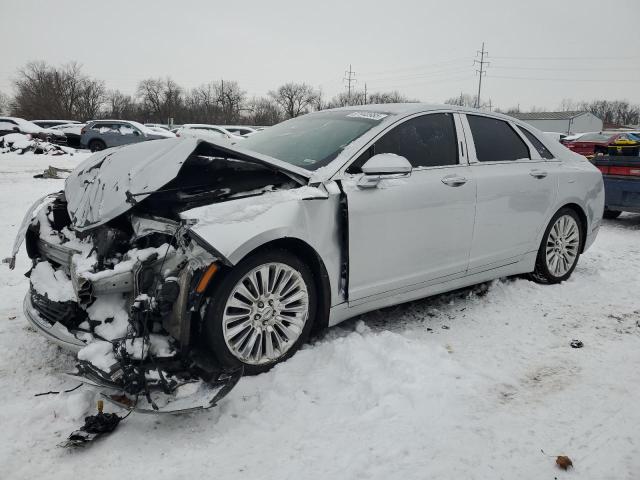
{"points": [[454, 180], [538, 173]]}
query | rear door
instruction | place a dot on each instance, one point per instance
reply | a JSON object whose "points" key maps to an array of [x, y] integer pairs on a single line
{"points": [[516, 189], [413, 231]]}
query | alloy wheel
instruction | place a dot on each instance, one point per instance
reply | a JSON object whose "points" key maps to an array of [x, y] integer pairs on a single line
{"points": [[265, 313], [562, 245]]}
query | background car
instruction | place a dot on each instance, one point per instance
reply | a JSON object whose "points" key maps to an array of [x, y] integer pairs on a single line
{"points": [[241, 130], [100, 134], [164, 131], [589, 144], [73, 131], [20, 125], [558, 137], [207, 132], [53, 123]]}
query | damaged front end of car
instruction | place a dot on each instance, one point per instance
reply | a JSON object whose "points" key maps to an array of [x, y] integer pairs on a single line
{"points": [[119, 277]]}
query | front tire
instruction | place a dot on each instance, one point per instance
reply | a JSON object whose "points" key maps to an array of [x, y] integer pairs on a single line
{"points": [[560, 248], [262, 311], [97, 145]]}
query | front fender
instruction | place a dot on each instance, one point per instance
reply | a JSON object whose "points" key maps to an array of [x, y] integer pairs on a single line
{"points": [[237, 227]]}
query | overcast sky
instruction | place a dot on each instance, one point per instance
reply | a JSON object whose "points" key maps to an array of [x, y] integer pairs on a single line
{"points": [[540, 51]]}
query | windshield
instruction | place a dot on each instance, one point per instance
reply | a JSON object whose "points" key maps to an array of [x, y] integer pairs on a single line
{"points": [[312, 141]]}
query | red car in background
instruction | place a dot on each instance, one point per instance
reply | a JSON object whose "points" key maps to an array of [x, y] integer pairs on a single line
{"points": [[599, 143]]}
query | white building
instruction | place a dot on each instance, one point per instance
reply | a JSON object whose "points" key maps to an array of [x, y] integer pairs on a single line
{"points": [[562, 122]]}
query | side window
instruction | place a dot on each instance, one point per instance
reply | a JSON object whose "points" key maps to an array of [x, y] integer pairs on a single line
{"points": [[495, 140], [426, 141], [537, 144]]}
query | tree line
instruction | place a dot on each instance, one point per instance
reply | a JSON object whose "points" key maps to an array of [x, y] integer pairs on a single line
{"points": [[611, 112], [66, 92]]}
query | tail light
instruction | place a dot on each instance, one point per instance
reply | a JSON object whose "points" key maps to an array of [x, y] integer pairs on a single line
{"points": [[620, 171], [177, 134], [83, 130]]}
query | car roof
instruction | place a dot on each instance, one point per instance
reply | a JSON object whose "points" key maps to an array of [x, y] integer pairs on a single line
{"points": [[404, 109]]}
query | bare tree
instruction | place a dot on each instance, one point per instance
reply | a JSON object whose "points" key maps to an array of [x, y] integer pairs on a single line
{"points": [[230, 100], [464, 100], [160, 99], [294, 98], [568, 105], [389, 97], [56, 92], [4, 104], [263, 111], [121, 106]]}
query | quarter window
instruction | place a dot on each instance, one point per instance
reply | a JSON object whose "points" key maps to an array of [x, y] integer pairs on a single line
{"points": [[426, 141], [537, 144], [495, 140]]}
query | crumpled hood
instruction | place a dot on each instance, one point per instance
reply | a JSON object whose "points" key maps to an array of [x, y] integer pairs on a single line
{"points": [[112, 181]]}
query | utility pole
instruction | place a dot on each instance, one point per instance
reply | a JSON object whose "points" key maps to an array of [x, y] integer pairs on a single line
{"points": [[482, 70], [365, 93], [350, 77]]}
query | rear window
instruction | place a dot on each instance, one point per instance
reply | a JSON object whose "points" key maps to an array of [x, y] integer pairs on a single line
{"points": [[495, 140], [537, 144]]}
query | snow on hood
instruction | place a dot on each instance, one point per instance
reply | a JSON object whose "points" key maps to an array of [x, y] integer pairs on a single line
{"points": [[112, 181]]}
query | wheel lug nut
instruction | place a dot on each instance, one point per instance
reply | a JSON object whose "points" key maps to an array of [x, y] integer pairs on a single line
{"points": [[260, 304], [270, 302], [257, 316]]}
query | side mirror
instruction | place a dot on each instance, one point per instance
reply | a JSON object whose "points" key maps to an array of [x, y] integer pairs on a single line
{"points": [[136, 133], [383, 165]]}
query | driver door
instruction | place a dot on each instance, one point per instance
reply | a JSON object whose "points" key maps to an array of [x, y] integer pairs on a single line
{"points": [[409, 232]]}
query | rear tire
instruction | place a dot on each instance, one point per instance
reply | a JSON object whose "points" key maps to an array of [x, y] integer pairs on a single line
{"points": [[97, 145], [257, 324], [560, 248], [611, 214]]}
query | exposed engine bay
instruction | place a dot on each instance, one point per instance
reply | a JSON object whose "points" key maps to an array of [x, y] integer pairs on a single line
{"points": [[130, 294]]}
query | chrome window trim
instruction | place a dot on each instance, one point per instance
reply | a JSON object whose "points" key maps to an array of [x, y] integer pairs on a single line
{"points": [[460, 138]]}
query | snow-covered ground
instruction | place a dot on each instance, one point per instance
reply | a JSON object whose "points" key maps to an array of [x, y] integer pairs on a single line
{"points": [[460, 386]]}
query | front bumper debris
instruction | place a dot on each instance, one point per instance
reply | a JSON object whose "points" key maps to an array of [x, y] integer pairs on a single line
{"points": [[124, 301], [56, 332]]}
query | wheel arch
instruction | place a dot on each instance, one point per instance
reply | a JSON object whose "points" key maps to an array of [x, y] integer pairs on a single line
{"points": [[583, 221], [310, 256]]}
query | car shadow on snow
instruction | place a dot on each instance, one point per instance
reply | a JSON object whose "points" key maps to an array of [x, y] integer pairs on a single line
{"points": [[626, 221], [432, 313]]}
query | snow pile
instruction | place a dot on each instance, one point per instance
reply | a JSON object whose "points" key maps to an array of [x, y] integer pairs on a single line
{"points": [[100, 354], [112, 313], [20, 143], [54, 284]]}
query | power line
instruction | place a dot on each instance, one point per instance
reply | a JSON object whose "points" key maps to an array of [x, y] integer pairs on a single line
{"points": [[568, 58], [613, 80], [349, 78], [418, 66], [481, 72], [571, 69]]}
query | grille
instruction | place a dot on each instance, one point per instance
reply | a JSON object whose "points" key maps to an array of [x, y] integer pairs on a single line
{"points": [[68, 314]]}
